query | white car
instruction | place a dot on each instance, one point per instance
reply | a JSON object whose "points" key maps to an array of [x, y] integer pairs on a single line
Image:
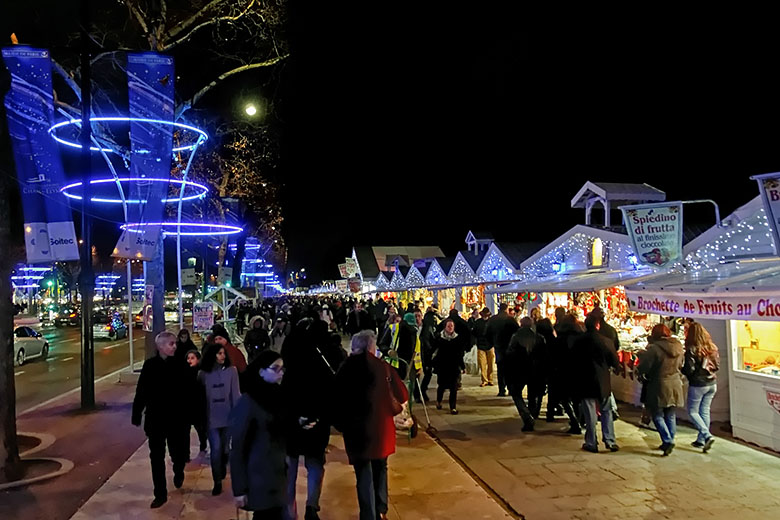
{"points": [[29, 344], [171, 315]]}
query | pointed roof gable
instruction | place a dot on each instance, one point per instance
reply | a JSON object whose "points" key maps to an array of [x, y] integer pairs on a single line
{"points": [[618, 192], [382, 284], [397, 281], [414, 278], [461, 271], [495, 266], [436, 274]]}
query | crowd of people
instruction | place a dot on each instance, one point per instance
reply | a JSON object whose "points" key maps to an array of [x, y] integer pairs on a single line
{"points": [[263, 413]]}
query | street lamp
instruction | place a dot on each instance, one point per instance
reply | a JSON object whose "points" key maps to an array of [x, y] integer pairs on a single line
{"points": [[250, 110]]}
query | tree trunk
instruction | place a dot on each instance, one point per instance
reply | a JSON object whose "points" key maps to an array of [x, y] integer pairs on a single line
{"points": [[9, 447]]}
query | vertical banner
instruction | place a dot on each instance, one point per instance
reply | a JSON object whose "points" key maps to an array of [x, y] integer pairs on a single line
{"points": [[202, 316], [250, 262], [655, 231], [769, 186], [148, 317], [343, 270], [48, 223], [150, 85]]}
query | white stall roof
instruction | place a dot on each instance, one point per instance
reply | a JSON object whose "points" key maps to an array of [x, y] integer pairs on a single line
{"points": [[734, 277], [586, 281]]}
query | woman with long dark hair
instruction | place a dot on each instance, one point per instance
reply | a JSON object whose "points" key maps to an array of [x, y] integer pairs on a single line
{"points": [[701, 362], [220, 380]]}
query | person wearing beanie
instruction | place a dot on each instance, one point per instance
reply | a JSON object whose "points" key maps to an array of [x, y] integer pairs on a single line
{"points": [[258, 468]]}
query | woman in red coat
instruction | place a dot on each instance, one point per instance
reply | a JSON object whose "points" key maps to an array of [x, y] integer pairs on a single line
{"points": [[369, 394]]}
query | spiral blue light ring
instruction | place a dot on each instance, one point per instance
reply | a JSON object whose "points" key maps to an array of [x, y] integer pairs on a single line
{"points": [[109, 180], [221, 229], [203, 135]]}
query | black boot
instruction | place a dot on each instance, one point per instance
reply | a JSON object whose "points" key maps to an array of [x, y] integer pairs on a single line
{"points": [[311, 514], [217, 488]]}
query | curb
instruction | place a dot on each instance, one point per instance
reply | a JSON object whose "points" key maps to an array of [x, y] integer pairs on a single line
{"points": [[46, 441]]}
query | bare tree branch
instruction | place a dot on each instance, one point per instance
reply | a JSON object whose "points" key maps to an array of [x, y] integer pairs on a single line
{"points": [[199, 94], [181, 26], [68, 78], [212, 21]]}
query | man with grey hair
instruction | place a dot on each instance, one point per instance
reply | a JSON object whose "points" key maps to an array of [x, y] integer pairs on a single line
{"points": [[164, 395], [370, 394]]}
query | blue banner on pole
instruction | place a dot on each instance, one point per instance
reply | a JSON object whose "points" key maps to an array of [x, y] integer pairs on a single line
{"points": [[150, 85], [48, 223]]}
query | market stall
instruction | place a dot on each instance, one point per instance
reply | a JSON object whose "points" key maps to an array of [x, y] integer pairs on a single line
{"points": [[584, 268], [730, 283]]}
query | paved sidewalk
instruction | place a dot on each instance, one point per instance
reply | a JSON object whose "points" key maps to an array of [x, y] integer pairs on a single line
{"points": [[424, 483], [545, 475]]}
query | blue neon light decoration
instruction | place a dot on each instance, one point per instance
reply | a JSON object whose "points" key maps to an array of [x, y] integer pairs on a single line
{"points": [[202, 189], [123, 119], [205, 229]]}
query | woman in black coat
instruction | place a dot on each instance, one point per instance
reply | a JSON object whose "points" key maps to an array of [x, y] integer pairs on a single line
{"points": [[258, 468], [449, 347], [562, 372]]}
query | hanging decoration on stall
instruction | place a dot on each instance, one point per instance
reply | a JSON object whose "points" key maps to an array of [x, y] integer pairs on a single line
{"points": [[352, 268], [354, 285], [655, 231], [150, 85], [765, 307], [769, 186], [48, 224], [342, 286], [343, 271]]}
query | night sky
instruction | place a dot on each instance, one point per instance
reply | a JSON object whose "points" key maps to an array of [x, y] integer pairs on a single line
{"points": [[415, 127], [412, 125]]}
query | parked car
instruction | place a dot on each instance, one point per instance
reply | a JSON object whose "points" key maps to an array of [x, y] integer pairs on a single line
{"points": [[29, 344], [171, 314], [138, 319], [67, 316], [109, 326]]}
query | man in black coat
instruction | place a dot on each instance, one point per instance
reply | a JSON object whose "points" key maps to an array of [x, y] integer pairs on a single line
{"points": [[311, 359], [164, 396], [609, 332], [592, 358], [500, 329], [358, 319], [522, 360], [430, 324]]}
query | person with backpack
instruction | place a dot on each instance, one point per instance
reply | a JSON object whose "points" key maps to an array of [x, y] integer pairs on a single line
{"points": [[702, 361]]}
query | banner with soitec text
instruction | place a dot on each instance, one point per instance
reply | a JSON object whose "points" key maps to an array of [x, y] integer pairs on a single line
{"points": [[655, 231], [769, 186], [48, 223], [150, 85], [762, 306]]}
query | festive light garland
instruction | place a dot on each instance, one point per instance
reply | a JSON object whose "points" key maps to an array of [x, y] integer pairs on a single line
{"points": [[202, 134], [215, 229], [436, 275], [461, 272], [414, 278], [397, 281], [194, 185], [494, 268]]}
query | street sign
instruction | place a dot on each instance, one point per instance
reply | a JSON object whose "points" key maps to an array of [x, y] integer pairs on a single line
{"points": [[224, 275], [202, 316], [188, 277]]}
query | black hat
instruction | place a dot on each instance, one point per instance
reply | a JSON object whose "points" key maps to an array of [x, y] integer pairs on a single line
{"points": [[484, 312], [266, 358]]}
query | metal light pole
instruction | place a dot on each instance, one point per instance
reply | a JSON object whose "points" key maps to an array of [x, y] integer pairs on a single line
{"points": [[87, 278]]}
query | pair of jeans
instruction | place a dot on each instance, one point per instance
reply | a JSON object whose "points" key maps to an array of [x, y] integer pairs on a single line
{"points": [[665, 420], [453, 394], [699, 402], [315, 474], [219, 440], [486, 360], [177, 440], [371, 476], [591, 407], [516, 391]]}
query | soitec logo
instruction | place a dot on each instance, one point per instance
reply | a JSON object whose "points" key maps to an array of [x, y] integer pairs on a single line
{"points": [[141, 241], [61, 241]]}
